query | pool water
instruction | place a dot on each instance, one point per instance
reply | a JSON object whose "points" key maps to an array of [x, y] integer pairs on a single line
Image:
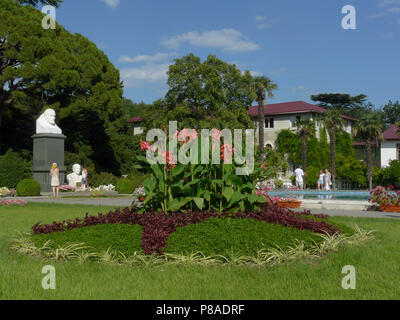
{"points": [[322, 195]]}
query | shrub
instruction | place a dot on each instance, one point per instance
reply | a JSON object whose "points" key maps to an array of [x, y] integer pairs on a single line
{"points": [[13, 169], [243, 236], [389, 176], [28, 188], [102, 178], [125, 186], [122, 237], [312, 175], [278, 183]]}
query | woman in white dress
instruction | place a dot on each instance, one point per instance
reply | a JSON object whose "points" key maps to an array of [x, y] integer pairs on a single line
{"points": [[327, 180], [55, 180]]}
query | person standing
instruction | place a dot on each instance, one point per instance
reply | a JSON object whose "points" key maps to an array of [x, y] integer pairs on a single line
{"points": [[85, 177], [327, 180], [299, 173], [55, 180], [321, 180]]}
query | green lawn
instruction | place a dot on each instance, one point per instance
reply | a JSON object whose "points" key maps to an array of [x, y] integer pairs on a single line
{"points": [[377, 265]]}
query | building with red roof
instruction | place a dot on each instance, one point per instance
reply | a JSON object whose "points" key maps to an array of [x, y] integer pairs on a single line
{"points": [[390, 146], [279, 116]]}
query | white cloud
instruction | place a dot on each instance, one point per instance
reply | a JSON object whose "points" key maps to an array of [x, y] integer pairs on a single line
{"points": [[158, 57], [386, 3], [148, 73], [111, 3], [388, 7], [262, 22], [226, 39]]}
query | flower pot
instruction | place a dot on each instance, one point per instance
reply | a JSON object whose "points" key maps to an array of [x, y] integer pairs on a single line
{"points": [[390, 208], [289, 204]]}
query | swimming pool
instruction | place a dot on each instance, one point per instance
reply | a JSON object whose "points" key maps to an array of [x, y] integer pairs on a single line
{"points": [[321, 195]]}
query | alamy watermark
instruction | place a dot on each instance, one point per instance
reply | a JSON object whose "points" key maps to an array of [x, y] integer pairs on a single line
{"points": [[203, 147], [349, 280], [49, 280], [49, 21], [349, 21]]}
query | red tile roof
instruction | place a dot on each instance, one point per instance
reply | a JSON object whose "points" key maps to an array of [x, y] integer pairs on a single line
{"points": [[290, 107], [136, 119], [392, 133]]}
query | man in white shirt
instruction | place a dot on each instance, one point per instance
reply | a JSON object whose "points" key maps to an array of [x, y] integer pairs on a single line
{"points": [[299, 177]]}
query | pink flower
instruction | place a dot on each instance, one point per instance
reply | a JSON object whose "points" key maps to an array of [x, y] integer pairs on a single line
{"points": [[227, 152], [144, 145], [215, 134]]}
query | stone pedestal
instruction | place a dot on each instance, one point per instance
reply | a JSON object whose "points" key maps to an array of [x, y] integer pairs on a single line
{"points": [[48, 148]]}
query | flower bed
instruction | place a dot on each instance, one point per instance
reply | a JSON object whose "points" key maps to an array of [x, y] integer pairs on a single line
{"points": [[387, 198], [158, 226], [66, 188], [13, 202], [5, 192]]}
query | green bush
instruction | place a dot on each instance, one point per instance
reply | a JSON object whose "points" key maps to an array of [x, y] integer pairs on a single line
{"points": [[278, 183], [103, 178], [123, 238], [312, 175], [138, 179], [220, 236], [389, 176], [13, 169], [28, 188], [125, 186]]}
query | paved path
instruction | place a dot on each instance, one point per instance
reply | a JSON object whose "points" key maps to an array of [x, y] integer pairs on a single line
{"points": [[124, 202]]}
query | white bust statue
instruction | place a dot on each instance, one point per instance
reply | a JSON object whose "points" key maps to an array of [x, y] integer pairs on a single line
{"points": [[75, 177], [46, 123]]}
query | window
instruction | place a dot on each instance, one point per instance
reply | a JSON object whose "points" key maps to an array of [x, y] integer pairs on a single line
{"points": [[269, 123], [298, 118]]}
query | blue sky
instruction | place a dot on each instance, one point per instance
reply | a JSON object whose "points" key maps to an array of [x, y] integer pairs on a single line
{"points": [[300, 45]]}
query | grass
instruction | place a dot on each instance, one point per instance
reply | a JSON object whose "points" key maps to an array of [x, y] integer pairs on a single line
{"points": [[242, 236], [123, 238], [376, 265]]}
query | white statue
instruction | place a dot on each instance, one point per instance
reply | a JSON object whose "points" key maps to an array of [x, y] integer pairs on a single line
{"points": [[75, 177], [46, 123]]}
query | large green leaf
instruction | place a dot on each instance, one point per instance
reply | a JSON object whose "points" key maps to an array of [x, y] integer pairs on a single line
{"points": [[176, 171], [199, 202], [236, 197], [177, 204], [227, 193]]}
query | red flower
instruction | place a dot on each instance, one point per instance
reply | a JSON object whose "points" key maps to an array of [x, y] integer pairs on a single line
{"points": [[227, 152], [144, 145]]}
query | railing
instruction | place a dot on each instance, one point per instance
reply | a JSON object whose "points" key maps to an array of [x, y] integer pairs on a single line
{"points": [[342, 184]]}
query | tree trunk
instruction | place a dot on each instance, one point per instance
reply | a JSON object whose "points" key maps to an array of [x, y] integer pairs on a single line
{"points": [[333, 157], [261, 119], [304, 154], [369, 165]]}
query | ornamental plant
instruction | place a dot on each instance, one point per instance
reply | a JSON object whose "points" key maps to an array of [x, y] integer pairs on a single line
{"points": [[385, 196], [213, 187], [13, 202]]}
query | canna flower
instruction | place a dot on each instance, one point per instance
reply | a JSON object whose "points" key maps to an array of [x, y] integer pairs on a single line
{"points": [[227, 152], [144, 145]]}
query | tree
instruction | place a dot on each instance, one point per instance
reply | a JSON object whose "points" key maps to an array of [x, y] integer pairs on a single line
{"points": [[209, 89], [305, 128], [333, 121], [391, 112], [343, 102], [35, 3], [369, 128], [42, 69], [259, 87]]}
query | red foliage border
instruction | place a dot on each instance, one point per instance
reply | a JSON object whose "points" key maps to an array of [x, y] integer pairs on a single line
{"points": [[158, 226]]}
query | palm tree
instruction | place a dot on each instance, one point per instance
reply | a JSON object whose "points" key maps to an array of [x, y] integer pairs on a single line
{"points": [[259, 87], [369, 128], [305, 128], [332, 121]]}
